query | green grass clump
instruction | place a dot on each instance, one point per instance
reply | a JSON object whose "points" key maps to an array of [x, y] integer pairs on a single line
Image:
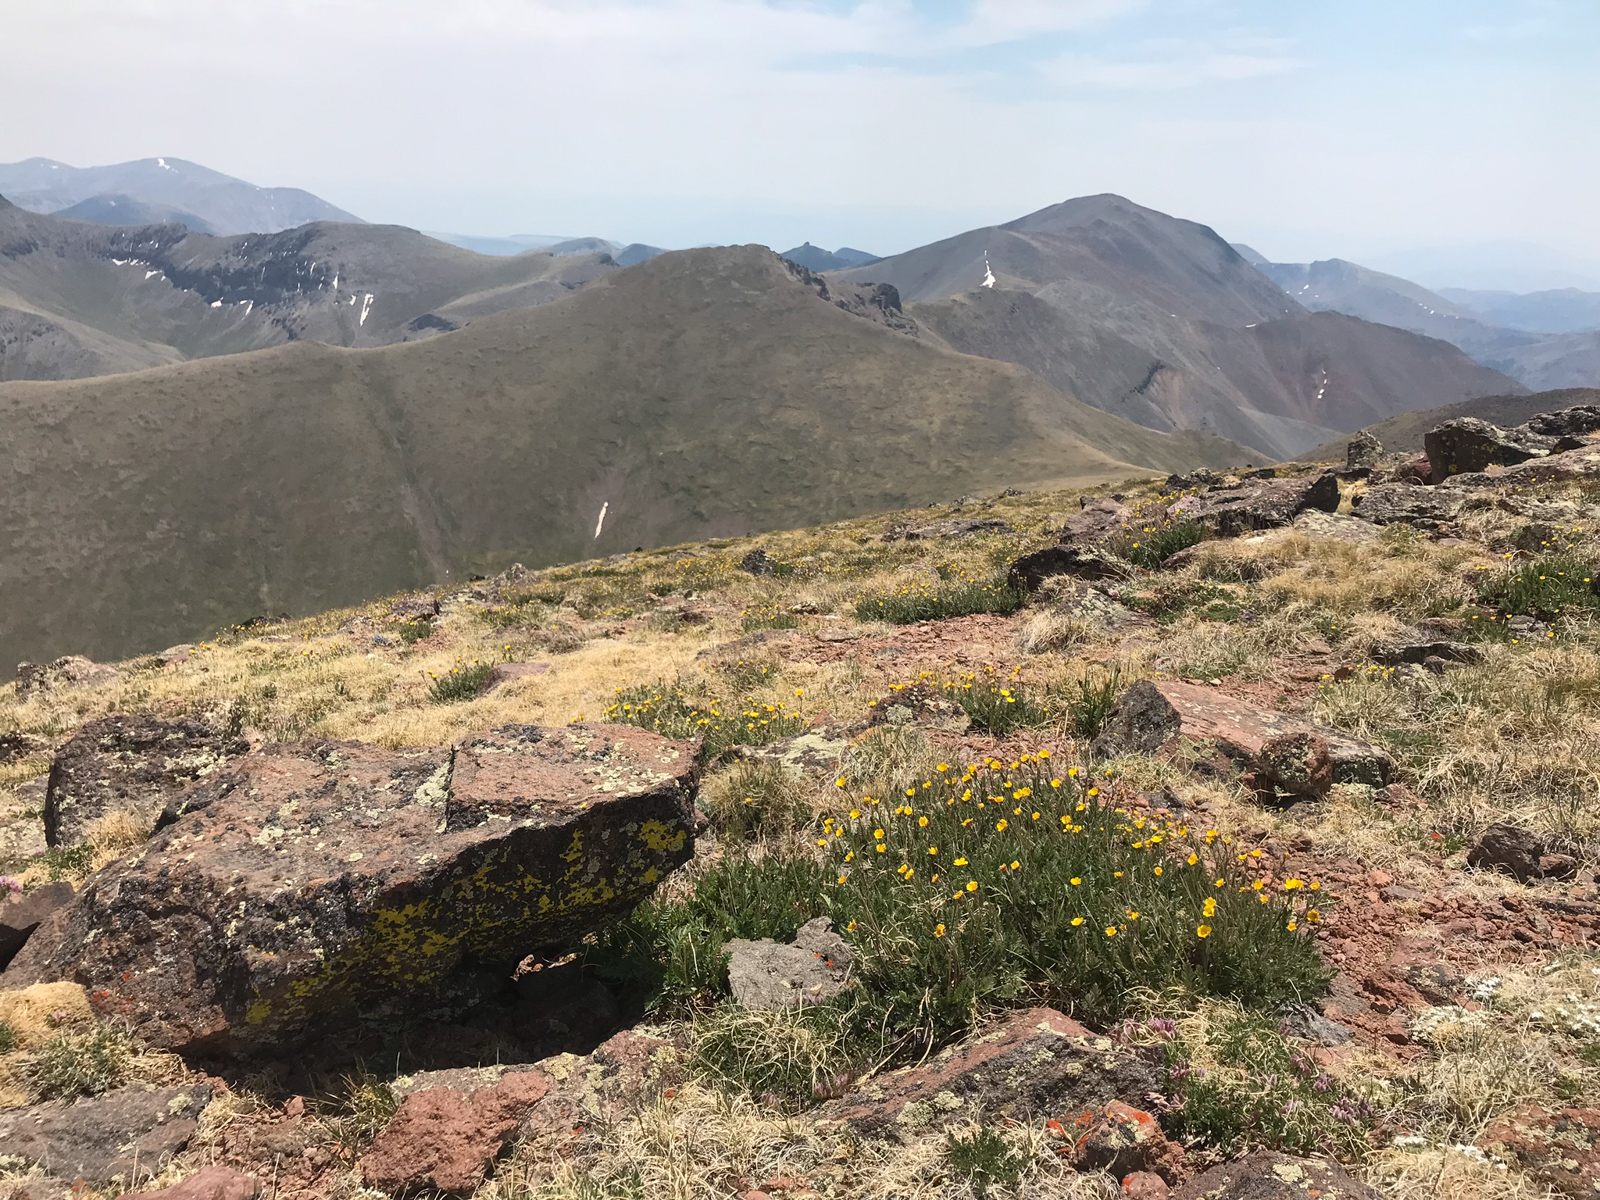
{"points": [[1088, 702], [925, 602], [77, 1064], [1260, 1091], [788, 1059], [767, 616], [412, 632], [464, 681], [756, 798], [669, 712], [984, 1159], [1544, 588], [8, 1038], [1151, 544], [997, 705]]}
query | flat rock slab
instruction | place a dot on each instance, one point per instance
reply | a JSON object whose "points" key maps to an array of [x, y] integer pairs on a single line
{"points": [[98, 1139], [208, 1183], [1408, 504], [768, 974], [1034, 1063], [444, 1139], [1153, 714], [1249, 507], [322, 883], [131, 763], [1266, 1175]]}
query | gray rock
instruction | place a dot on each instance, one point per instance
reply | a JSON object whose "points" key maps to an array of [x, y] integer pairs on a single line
{"points": [[99, 1139], [1509, 849], [72, 671], [1363, 450], [1268, 1175], [1031, 570], [1423, 649], [1335, 525], [813, 754], [1303, 1021], [415, 608], [131, 763], [1578, 421], [759, 562], [1405, 503], [813, 969], [955, 527]]}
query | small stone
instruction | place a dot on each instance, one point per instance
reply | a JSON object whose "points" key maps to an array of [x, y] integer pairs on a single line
{"points": [[1509, 849], [812, 970], [1122, 1140], [1144, 1185], [759, 562]]}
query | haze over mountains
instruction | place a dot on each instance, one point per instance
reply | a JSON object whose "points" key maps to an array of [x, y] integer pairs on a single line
{"points": [[1544, 340], [1161, 321], [161, 189], [703, 393]]}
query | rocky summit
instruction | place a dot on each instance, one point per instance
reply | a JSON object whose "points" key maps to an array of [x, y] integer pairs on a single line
{"points": [[313, 884]]}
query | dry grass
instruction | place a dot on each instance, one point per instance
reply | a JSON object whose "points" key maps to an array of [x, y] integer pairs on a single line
{"points": [[1447, 1173]]}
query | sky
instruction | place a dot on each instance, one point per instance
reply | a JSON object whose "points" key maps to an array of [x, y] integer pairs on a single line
{"points": [[1445, 137]]}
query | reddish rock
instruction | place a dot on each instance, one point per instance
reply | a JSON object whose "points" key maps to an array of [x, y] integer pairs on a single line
{"points": [[444, 1139], [1155, 714], [624, 1070], [316, 884], [1267, 1175], [1560, 1150], [1143, 1185], [208, 1183], [1123, 1140], [1033, 1062]]}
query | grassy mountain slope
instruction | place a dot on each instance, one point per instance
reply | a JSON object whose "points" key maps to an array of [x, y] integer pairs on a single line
{"points": [[1160, 320], [121, 298], [702, 394], [1403, 434], [224, 204]]}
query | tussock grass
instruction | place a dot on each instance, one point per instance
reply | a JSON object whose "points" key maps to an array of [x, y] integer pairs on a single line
{"points": [[756, 797]]}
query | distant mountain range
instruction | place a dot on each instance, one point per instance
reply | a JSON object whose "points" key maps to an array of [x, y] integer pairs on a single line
{"points": [[701, 394], [521, 243], [1161, 321], [1544, 340], [814, 258], [155, 190], [80, 299]]}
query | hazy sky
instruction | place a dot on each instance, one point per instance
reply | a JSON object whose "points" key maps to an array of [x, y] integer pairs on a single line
{"points": [[1309, 128]]}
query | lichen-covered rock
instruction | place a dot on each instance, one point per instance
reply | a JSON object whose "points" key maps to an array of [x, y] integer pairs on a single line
{"points": [[1268, 1175], [100, 1139], [21, 914], [1033, 1063], [1363, 450], [70, 671], [1122, 1140], [1510, 849], [130, 763], [1084, 562], [768, 974], [1406, 503], [1299, 763], [1468, 444], [316, 883], [1560, 1150]]}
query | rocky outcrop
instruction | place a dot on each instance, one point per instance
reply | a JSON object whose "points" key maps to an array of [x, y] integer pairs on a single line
{"points": [[443, 1138], [1229, 511], [813, 969], [128, 763], [1469, 444], [1154, 714], [1032, 1063], [101, 1139], [314, 885], [1363, 450], [947, 530], [72, 671], [1268, 1175]]}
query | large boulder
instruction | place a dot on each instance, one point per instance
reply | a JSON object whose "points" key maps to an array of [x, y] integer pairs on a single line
{"points": [[318, 884], [1406, 503], [1287, 751], [1033, 1063], [70, 671], [1252, 506], [128, 763], [1468, 444], [1576, 422], [1363, 450], [105, 1138]]}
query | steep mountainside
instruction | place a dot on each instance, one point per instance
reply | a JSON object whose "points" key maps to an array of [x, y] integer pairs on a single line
{"points": [[704, 393], [221, 203], [1160, 320], [79, 299], [1404, 433]]}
